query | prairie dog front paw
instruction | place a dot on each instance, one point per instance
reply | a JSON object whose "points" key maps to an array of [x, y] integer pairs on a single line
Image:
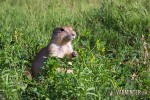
{"points": [[74, 54]]}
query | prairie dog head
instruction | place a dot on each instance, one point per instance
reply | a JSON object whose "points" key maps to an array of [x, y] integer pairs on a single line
{"points": [[63, 35]]}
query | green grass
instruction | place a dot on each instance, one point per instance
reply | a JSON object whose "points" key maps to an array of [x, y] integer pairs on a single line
{"points": [[108, 41]]}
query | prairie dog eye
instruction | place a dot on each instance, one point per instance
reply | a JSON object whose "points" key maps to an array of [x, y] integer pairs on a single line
{"points": [[61, 29]]}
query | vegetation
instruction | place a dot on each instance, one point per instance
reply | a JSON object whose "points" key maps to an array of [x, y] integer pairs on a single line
{"points": [[112, 51]]}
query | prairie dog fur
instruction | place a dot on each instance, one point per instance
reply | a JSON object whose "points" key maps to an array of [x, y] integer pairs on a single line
{"points": [[59, 47]]}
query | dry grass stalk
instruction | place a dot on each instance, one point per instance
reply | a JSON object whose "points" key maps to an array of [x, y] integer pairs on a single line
{"points": [[145, 50]]}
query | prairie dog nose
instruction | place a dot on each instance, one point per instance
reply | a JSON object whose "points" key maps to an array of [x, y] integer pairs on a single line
{"points": [[73, 34]]}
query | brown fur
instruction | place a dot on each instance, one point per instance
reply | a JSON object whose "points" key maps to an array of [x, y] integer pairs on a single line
{"points": [[59, 46]]}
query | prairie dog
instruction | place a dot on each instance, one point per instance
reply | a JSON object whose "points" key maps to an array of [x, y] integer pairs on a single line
{"points": [[59, 47]]}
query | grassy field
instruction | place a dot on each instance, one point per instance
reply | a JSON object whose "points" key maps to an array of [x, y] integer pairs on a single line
{"points": [[113, 55]]}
